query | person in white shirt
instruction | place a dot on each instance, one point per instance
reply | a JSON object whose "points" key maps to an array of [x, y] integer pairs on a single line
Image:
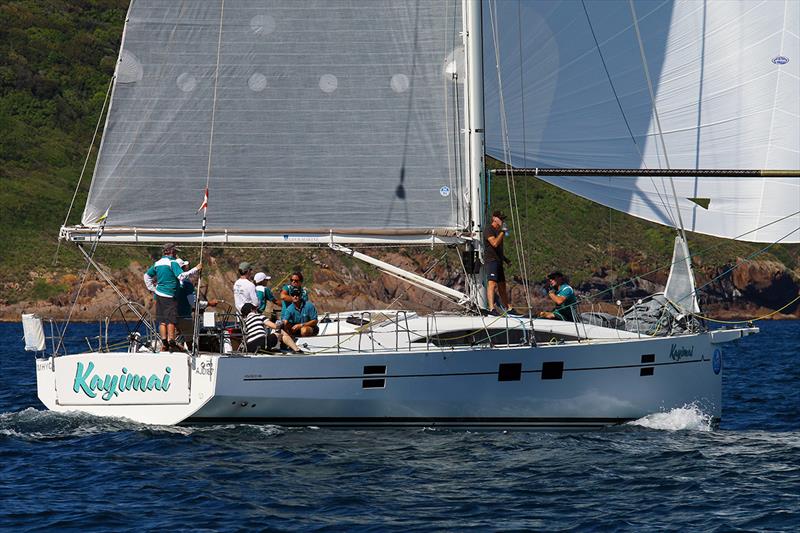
{"points": [[244, 290]]}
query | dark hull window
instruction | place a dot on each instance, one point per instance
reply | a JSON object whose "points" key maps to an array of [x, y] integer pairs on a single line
{"points": [[499, 337]]}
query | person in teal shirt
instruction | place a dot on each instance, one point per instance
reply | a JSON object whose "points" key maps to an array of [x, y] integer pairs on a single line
{"points": [[164, 279], [263, 292], [563, 296], [295, 280], [300, 317]]}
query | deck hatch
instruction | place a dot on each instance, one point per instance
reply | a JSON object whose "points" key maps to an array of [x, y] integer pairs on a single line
{"points": [[509, 372], [370, 370], [552, 369], [373, 383]]}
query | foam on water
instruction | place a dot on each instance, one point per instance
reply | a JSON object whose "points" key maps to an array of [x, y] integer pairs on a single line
{"points": [[40, 425], [686, 418]]}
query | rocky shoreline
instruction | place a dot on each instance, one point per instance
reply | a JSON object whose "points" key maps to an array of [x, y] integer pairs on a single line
{"points": [[750, 291]]}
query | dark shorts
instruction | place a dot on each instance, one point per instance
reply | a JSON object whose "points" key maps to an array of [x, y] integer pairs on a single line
{"points": [[166, 310], [495, 272], [270, 342], [564, 313]]}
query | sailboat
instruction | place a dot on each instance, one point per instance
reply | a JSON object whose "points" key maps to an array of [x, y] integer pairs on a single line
{"points": [[343, 124]]}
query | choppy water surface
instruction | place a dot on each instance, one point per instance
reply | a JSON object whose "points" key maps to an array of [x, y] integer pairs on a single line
{"points": [[667, 470]]}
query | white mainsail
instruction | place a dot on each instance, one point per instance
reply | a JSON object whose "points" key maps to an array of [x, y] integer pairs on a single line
{"points": [[317, 117], [726, 80]]}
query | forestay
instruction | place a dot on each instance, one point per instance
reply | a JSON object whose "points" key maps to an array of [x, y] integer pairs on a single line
{"points": [[320, 117], [727, 93]]}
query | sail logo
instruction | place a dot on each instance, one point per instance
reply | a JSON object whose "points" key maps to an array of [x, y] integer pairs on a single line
{"points": [[112, 385], [676, 354], [445, 191], [780, 60]]}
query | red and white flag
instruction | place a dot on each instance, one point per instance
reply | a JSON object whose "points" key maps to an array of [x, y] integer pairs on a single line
{"points": [[204, 205]]}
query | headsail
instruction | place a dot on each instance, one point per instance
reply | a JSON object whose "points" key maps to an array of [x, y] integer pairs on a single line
{"points": [[317, 117], [680, 288], [727, 93]]}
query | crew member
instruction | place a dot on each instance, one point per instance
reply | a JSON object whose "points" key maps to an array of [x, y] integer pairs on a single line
{"points": [[295, 280], [258, 337], [263, 292], [563, 296], [187, 297], [163, 278], [493, 256], [300, 316], [244, 290]]}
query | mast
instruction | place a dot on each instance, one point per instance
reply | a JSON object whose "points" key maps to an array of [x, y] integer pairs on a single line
{"points": [[473, 42]]}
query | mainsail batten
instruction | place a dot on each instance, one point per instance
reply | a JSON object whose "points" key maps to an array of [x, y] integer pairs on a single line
{"points": [[325, 114]]}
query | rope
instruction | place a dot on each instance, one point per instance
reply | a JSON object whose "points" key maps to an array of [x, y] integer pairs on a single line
{"points": [[763, 317]]}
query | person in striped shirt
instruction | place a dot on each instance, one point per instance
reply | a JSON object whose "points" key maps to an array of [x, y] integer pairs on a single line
{"points": [[257, 335]]}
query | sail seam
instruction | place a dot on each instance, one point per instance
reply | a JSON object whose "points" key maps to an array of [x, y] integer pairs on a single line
{"points": [[772, 117]]}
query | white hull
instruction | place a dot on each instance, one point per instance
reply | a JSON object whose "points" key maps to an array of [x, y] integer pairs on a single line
{"points": [[574, 384]]}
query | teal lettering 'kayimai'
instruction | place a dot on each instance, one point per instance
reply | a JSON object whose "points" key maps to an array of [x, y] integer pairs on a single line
{"points": [[111, 385]]}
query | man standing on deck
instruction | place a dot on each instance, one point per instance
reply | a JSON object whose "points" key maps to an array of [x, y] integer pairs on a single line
{"points": [[244, 290], [493, 256], [164, 278]]}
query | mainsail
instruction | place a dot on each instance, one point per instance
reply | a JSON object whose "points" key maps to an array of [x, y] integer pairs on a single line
{"points": [[726, 87], [320, 117]]}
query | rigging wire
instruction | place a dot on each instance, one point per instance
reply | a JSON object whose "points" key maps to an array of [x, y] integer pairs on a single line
{"points": [[756, 319], [748, 259], [196, 324], [85, 163], [510, 181], [522, 106], [655, 115], [664, 201]]}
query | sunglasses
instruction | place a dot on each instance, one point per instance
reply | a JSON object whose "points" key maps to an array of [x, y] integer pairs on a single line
{"points": [[295, 280]]}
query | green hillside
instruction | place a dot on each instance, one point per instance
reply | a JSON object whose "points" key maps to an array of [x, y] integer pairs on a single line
{"points": [[56, 61]]}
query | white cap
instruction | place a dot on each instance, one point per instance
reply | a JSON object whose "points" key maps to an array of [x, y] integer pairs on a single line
{"points": [[182, 262], [261, 277]]}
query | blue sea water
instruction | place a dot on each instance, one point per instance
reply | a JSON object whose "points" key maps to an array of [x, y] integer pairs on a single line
{"points": [[666, 471]]}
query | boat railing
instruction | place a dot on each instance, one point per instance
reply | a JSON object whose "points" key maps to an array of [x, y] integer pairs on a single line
{"points": [[397, 329], [366, 320]]}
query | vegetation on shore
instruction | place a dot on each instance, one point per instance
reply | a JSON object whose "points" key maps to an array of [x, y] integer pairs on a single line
{"points": [[56, 61]]}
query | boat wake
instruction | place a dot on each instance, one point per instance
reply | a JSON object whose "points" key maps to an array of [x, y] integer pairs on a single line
{"points": [[40, 425], [687, 418]]}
